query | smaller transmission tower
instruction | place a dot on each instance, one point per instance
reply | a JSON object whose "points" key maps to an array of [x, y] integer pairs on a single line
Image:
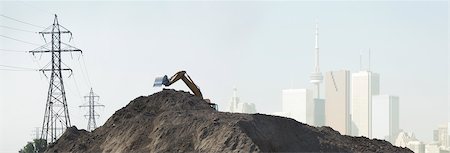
{"points": [[92, 103]]}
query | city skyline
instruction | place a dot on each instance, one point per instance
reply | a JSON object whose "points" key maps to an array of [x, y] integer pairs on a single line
{"points": [[127, 44]]}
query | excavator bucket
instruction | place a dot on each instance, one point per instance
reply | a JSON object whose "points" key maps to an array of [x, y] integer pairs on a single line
{"points": [[159, 81]]}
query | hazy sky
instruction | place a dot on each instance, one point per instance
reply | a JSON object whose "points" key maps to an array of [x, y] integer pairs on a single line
{"points": [[259, 47]]}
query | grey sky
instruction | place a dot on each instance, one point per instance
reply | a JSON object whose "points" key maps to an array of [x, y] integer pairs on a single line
{"points": [[259, 47]]}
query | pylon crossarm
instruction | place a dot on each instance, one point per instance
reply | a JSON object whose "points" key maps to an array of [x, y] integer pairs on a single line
{"points": [[54, 32], [47, 51], [55, 70]]}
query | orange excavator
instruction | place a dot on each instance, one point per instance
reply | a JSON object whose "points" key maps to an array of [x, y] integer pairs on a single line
{"points": [[159, 81]]}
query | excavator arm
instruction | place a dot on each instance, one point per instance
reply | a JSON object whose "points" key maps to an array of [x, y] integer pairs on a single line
{"points": [[187, 80]]}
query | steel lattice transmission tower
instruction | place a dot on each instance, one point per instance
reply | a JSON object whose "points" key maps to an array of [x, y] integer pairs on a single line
{"points": [[92, 103], [56, 117]]}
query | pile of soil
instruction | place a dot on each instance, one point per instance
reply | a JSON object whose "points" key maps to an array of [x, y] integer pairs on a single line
{"points": [[176, 121]]}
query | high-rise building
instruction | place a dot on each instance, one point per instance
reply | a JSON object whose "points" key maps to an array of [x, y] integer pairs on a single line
{"points": [[385, 117], [319, 112], [297, 104], [337, 106], [236, 106], [364, 84], [435, 148], [416, 146], [440, 135]]}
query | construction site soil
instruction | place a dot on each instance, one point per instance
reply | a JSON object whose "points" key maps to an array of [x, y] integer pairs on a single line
{"points": [[176, 121]]}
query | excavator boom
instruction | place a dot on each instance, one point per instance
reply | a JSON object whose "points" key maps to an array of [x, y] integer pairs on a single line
{"points": [[159, 81]]}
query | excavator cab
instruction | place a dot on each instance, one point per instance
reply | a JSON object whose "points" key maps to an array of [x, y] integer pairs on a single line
{"points": [[213, 105], [159, 81]]}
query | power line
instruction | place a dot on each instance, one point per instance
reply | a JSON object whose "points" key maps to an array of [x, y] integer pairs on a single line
{"points": [[17, 67], [15, 70], [84, 77], [76, 87], [84, 72], [21, 21], [7, 27], [20, 40], [85, 69], [14, 51], [32, 57]]}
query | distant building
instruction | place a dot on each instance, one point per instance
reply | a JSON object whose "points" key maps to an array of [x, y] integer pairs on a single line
{"points": [[337, 106], [435, 148], [283, 114], [440, 135], [364, 85], [236, 106], [297, 104], [432, 148], [416, 146], [409, 140], [319, 112], [385, 117], [403, 138]]}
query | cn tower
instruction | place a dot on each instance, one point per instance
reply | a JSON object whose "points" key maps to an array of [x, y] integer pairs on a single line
{"points": [[316, 76]]}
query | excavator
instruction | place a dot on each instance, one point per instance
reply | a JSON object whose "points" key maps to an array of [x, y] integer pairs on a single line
{"points": [[159, 81]]}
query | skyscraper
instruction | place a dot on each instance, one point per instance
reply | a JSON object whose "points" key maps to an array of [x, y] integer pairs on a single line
{"points": [[297, 104], [385, 118], [337, 106], [364, 85], [440, 135]]}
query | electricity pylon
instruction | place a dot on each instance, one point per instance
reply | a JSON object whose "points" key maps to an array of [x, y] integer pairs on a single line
{"points": [[56, 117], [92, 103]]}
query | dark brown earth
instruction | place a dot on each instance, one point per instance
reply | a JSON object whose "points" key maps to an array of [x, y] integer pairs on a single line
{"points": [[176, 121]]}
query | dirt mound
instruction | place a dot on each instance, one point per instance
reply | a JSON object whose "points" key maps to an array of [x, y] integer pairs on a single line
{"points": [[175, 121]]}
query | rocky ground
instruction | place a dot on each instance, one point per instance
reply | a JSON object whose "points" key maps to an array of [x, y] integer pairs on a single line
{"points": [[176, 121]]}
